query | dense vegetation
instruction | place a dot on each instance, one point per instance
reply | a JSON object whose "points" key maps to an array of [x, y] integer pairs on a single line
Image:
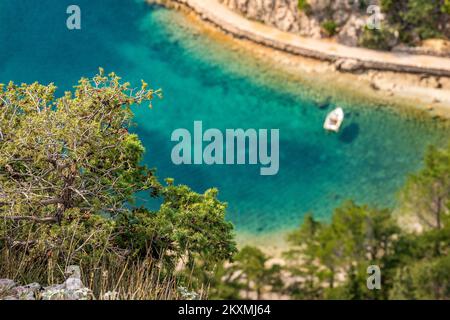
{"points": [[69, 175], [409, 22], [70, 172], [404, 21], [418, 19], [330, 260]]}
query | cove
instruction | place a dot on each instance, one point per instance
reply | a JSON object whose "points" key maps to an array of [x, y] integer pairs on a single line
{"points": [[368, 161]]}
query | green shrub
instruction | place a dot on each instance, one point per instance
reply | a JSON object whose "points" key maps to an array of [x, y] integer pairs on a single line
{"points": [[69, 175], [424, 280], [304, 6], [383, 39], [422, 17], [386, 5], [418, 19], [446, 7], [330, 27]]}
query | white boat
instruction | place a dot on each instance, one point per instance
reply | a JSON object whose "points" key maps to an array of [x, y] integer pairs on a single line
{"points": [[334, 120]]}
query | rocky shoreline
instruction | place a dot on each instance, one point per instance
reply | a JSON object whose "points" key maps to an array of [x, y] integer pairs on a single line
{"points": [[285, 15], [346, 58], [422, 91], [346, 18]]}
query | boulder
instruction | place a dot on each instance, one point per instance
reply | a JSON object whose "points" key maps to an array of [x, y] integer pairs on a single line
{"points": [[286, 20], [28, 292], [71, 289], [6, 285], [350, 32], [348, 65]]}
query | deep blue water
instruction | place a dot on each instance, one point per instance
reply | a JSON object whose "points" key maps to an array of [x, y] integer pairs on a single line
{"points": [[367, 161]]}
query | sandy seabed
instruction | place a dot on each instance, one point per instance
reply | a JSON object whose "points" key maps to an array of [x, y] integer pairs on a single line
{"points": [[407, 92]]}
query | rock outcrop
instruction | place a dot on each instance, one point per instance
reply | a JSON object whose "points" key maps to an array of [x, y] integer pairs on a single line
{"points": [[349, 17], [361, 59], [282, 14], [71, 289]]}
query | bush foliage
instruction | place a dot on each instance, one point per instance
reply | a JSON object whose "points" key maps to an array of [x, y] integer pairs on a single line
{"points": [[69, 174]]}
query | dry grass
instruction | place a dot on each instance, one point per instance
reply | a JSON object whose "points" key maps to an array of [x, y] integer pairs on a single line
{"points": [[127, 279], [104, 268]]}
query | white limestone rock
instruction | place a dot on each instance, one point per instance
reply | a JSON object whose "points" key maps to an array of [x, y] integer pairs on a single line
{"points": [[350, 16], [6, 285]]}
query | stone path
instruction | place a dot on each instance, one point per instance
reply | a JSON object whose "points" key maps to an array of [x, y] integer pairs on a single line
{"points": [[349, 58]]}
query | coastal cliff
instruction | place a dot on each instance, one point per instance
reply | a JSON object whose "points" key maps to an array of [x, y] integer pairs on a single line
{"points": [[346, 22], [343, 57], [288, 15], [421, 81]]}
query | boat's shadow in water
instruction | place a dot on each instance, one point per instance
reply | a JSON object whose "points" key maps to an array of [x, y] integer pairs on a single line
{"points": [[349, 133]]}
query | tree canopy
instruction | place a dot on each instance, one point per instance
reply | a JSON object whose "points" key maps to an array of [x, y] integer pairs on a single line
{"points": [[70, 171]]}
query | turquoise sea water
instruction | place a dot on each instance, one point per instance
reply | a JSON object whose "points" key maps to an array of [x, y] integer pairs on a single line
{"points": [[367, 161]]}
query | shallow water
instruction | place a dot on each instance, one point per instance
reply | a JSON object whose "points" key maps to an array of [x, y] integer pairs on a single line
{"points": [[367, 161]]}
